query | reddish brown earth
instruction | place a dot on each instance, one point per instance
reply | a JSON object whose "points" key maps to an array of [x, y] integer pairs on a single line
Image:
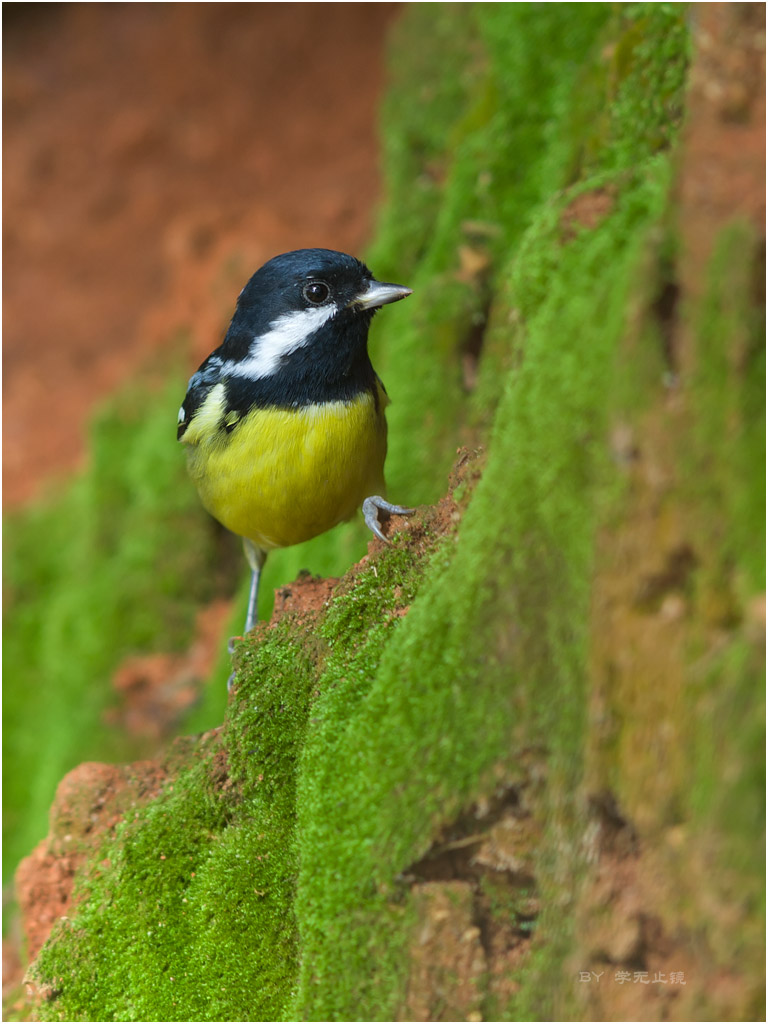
{"points": [[155, 155], [90, 801], [154, 691]]}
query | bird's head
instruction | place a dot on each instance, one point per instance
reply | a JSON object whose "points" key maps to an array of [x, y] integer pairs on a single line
{"points": [[301, 306]]}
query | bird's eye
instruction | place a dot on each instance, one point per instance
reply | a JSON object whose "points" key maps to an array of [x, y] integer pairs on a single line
{"points": [[316, 292]]}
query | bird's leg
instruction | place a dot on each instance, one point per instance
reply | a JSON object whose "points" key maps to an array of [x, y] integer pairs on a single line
{"points": [[253, 602], [256, 559], [375, 504]]}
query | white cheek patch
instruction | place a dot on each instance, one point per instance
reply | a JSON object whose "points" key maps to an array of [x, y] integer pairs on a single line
{"points": [[286, 334]]}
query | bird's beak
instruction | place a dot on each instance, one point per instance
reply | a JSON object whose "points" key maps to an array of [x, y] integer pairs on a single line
{"points": [[379, 294]]}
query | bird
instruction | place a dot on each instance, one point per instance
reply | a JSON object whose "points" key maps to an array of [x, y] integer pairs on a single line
{"points": [[284, 423]]}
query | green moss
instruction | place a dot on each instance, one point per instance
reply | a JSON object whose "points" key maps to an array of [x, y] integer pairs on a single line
{"points": [[729, 406], [542, 102], [200, 895], [198, 898], [455, 695], [91, 576]]}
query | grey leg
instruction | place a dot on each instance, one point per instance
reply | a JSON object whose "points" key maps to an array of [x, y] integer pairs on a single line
{"points": [[253, 602], [256, 559], [375, 504]]}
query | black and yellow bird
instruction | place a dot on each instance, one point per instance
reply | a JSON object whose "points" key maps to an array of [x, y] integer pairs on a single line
{"points": [[284, 422]]}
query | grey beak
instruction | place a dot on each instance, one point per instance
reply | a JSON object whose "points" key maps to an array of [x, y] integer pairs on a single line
{"points": [[379, 294]]}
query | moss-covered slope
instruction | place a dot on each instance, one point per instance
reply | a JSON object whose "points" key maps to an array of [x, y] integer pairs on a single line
{"points": [[542, 727]]}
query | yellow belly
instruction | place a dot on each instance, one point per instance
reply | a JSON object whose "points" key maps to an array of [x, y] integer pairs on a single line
{"points": [[285, 476]]}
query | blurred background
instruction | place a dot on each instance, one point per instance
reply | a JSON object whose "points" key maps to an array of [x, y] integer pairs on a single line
{"points": [[156, 155]]}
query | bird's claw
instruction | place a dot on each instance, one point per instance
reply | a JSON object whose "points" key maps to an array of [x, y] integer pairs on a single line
{"points": [[375, 504]]}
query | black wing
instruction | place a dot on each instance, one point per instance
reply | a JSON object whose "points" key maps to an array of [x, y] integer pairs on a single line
{"points": [[198, 389]]}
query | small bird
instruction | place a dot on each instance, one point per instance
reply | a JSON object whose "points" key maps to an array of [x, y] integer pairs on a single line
{"points": [[284, 422]]}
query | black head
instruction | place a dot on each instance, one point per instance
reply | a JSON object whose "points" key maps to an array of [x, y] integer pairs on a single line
{"points": [[298, 293], [303, 279], [301, 326]]}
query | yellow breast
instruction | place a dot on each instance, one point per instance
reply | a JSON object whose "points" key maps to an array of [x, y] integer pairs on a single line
{"points": [[284, 476]]}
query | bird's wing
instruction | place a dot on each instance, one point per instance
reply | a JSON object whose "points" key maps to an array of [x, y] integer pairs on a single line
{"points": [[201, 384]]}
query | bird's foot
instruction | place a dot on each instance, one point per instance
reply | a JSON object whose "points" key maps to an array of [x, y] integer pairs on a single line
{"points": [[373, 506]]}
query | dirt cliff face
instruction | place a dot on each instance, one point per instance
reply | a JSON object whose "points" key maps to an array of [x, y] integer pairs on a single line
{"points": [[154, 157]]}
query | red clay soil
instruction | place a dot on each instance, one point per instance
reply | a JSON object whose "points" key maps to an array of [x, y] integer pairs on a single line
{"points": [[155, 155], [90, 801], [155, 691]]}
